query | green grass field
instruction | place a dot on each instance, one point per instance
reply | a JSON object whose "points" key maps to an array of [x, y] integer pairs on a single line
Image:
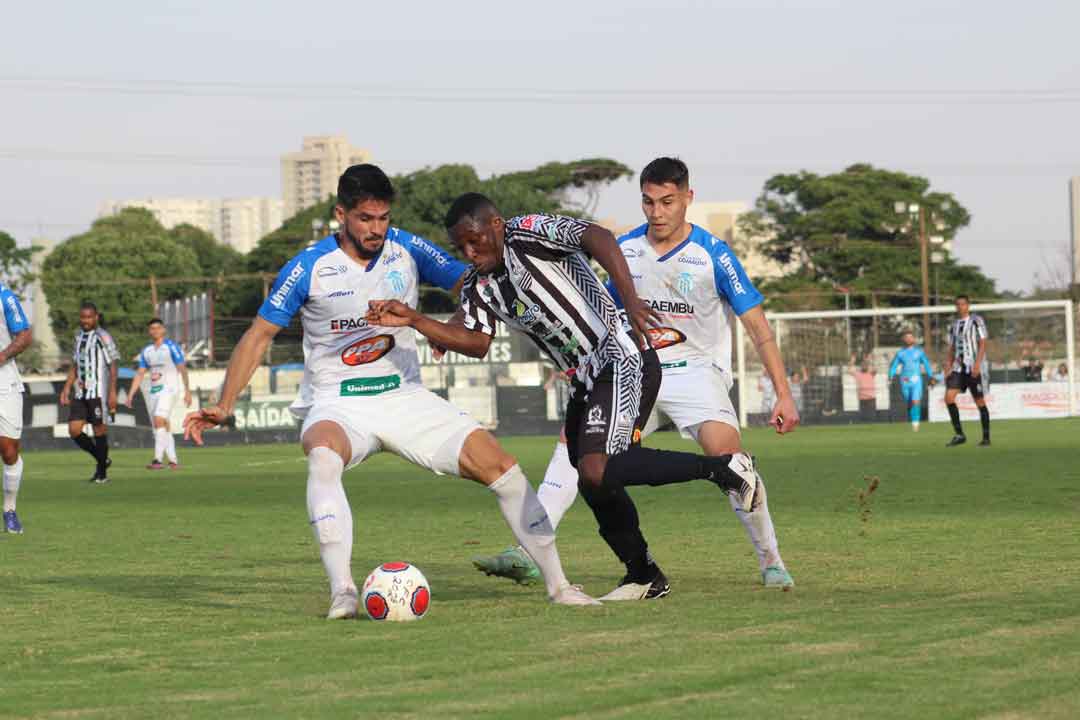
{"points": [[953, 592]]}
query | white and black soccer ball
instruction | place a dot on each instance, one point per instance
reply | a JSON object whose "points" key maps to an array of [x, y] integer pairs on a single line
{"points": [[396, 591]]}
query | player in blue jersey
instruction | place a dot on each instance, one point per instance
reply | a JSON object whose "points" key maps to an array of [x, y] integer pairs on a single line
{"points": [[696, 285], [164, 361], [361, 392], [909, 365], [15, 336]]}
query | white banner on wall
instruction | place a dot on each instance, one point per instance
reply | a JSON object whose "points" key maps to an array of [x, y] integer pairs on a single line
{"points": [[1013, 400]]}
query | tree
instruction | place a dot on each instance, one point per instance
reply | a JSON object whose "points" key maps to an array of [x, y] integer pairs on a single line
{"points": [[15, 263], [843, 231], [110, 264]]}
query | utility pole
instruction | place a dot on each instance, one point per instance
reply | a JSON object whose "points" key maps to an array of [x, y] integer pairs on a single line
{"points": [[924, 259]]}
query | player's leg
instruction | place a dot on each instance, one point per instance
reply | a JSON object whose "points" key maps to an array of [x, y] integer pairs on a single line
{"points": [[979, 387], [162, 431], [912, 392], [10, 432], [77, 418], [101, 441], [328, 447], [954, 383]]}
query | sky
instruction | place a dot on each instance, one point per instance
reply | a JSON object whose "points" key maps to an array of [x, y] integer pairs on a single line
{"points": [[121, 99]]}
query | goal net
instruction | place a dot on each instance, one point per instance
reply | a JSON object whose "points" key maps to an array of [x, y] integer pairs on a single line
{"points": [[838, 363]]}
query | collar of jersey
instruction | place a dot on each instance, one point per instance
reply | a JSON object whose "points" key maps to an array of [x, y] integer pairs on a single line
{"points": [[694, 230]]}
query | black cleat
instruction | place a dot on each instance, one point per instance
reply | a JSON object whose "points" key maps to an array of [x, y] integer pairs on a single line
{"points": [[956, 440], [628, 589], [985, 442]]}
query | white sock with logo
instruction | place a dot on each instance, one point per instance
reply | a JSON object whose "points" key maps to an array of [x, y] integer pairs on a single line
{"points": [[12, 480], [760, 528], [559, 489], [330, 516], [160, 441], [170, 446], [530, 524]]}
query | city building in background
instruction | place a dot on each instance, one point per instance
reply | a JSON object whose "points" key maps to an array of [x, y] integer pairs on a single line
{"points": [[236, 222], [311, 175]]}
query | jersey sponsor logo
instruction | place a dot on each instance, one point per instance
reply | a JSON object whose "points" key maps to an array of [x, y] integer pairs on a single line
{"points": [[397, 281], [629, 252], [528, 221], [595, 422], [662, 337], [526, 316], [685, 283], [672, 306], [392, 257], [571, 346], [346, 325], [729, 268], [279, 297], [431, 252], [341, 293], [691, 260], [13, 305], [331, 270], [367, 350], [370, 386]]}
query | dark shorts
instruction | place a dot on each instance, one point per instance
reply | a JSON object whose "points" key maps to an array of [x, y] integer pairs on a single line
{"points": [[609, 418], [91, 411], [963, 381]]}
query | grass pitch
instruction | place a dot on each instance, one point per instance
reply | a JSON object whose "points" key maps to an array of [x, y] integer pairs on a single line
{"points": [[953, 590]]}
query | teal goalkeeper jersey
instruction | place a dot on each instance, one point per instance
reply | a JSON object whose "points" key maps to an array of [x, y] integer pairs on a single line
{"points": [[906, 364]]}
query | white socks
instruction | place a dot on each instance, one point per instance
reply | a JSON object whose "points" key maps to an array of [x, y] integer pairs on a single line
{"points": [[331, 516], [759, 527], [160, 442], [12, 480], [170, 447], [530, 525], [559, 489]]}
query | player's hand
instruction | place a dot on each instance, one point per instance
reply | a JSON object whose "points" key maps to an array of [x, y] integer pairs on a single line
{"points": [[112, 402], [785, 416], [976, 371], [641, 317], [130, 401], [65, 397], [187, 398], [390, 313], [200, 420], [438, 352]]}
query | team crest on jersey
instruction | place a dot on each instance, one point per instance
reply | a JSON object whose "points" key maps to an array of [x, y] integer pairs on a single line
{"points": [[368, 350], [397, 281], [662, 337], [528, 221], [596, 416], [685, 283]]}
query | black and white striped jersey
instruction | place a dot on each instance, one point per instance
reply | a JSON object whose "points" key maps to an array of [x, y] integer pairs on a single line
{"points": [[94, 351], [548, 291], [964, 337]]}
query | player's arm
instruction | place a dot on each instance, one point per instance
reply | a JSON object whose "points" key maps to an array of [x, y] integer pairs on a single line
{"points": [[980, 327], [600, 243], [894, 366], [447, 335], [135, 383], [20, 342], [65, 394], [785, 416], [182, 369], [113, 372], [18, 326]]}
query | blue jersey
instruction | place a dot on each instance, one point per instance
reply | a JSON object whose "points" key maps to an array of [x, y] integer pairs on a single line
{"points": [[906, 364], [12, 323]]}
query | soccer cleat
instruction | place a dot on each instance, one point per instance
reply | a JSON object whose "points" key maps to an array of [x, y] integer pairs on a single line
{"points": [[777, 576], [174, 466], [655, 589], [344, 605], [513, 563], [11, 523], [573, 595], [737, 478], [956, 440], [985, 442], [155, 464]]}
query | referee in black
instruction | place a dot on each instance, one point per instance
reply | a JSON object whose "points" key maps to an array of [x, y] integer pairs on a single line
{"points": [[90, 389]]}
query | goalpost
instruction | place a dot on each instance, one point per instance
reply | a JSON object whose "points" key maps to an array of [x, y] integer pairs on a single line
{"points": [[839, 360]]}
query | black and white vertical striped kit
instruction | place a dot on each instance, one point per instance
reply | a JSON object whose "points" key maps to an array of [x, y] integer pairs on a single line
{"points": [[964, 337], [548, 291], [94, 351]]}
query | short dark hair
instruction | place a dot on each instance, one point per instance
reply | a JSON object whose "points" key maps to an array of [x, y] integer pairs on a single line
{"points": [[471, 206], [363, 182], [87, 305], [154, 321], [962, 297], [665, 170]]}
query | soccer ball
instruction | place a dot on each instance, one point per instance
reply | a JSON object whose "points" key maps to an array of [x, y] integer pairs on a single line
{"points": [[396, 591]]}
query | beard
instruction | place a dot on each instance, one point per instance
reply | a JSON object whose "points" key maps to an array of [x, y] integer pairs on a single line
{"points": [[363, 252]]}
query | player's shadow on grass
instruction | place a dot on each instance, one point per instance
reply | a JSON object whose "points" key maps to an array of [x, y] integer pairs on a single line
{"points": [[225, 592]]}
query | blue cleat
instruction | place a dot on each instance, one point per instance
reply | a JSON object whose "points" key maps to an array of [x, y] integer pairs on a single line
{"points": [[777, 576], [11, 523]]}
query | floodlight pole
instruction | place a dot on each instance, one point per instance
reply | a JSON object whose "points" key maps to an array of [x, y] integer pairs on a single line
{"points": [[924, 260]]}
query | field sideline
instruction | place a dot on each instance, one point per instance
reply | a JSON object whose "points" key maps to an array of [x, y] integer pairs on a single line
{"points": [[952, 592]]}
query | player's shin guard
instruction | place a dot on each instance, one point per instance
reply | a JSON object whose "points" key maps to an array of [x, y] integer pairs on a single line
{"points": [[86, 444], [759, 527], [160, 441], [331, 516], [954, 415], [647, 466], [559, 489], [12, 480], [530, 524], [617, 518], [101, 452], [984, 419]]}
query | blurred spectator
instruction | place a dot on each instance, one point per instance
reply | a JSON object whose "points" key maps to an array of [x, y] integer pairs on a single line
{"points": [[1033, 370], [865, 388], [939, 376], [1061, 374], [798, 379], [768, 393]]}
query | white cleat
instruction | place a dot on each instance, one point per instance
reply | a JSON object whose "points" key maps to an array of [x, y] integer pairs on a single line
{"points": [[344, 605], [573, 595], [914, 427], [743, 466]]}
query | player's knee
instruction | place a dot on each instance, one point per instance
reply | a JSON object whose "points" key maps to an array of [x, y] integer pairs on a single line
{"points": [[591, 470], [9, 453]]}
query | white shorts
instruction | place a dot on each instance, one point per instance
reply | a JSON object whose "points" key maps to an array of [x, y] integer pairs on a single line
{"points": [[419, 426], [694, 397], [160, 404], [11, 407]]}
